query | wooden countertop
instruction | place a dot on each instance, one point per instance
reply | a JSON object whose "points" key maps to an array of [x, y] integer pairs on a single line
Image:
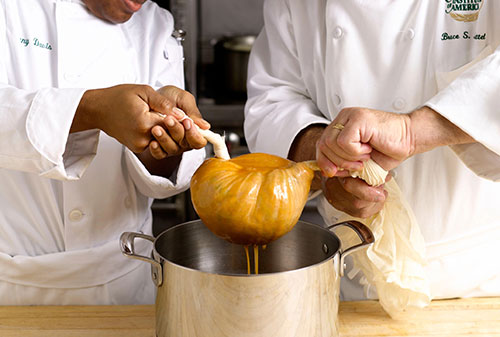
{"points": [[459, 317]]}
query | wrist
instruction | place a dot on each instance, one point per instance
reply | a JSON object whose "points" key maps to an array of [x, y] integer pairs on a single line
{"points": [[429, 130], [304, 148], [304, 145], [86, 113]]}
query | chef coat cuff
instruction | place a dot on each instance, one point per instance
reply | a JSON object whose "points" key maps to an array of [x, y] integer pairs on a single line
{"points": [[48, 123], [160, 187], [470, 101], [81, 149], [482, 157]]}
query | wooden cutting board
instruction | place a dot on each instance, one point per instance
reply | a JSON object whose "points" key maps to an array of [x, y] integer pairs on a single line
{"points": [[459, 317], [476, 317]]}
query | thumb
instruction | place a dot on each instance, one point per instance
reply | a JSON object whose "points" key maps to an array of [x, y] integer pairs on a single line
{"points": [[386, 162], [159, 107], [187, 104]]}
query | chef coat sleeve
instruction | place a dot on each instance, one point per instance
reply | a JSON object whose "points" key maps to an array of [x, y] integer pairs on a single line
{"points": [[34, 128], [34, 133], [159, 187], [278, 105], [471, 102]]}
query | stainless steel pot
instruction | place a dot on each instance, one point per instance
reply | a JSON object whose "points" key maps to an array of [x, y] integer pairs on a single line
{"points": [[204, 289], [231, 56]]}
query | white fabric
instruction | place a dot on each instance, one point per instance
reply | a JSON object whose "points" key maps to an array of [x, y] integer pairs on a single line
{"points": [[65, 200], [395, 262], [314, 58]]}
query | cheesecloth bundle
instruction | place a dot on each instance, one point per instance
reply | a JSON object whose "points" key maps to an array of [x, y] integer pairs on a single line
{"points": [[394, 264]]}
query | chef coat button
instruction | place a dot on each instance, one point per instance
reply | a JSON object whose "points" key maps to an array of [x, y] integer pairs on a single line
{"points": [[337, 100], [128, 202], [75, 215], [399, 104], [410, 34], [338, 32]]}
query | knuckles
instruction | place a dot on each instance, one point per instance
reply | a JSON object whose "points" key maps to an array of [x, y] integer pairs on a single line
{"points": [[324, 146], [187, 96], [327, 142], [166, 105], [359, 204]]}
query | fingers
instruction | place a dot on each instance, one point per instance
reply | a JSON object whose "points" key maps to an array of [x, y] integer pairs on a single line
{"points": [[327, 154], [327, 166], [349, 145], [331, 158], [172, 105], [343, 145], [187, 103], [156, 150], [169, 138], [384, 161], [158, 102], [185, 134], [353, 196], [193, 138], [184, 101], [174, 138], [362, 190]]}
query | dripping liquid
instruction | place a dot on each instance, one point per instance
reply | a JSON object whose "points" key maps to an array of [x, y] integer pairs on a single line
{"points": [[248, 260], [256, 258]]}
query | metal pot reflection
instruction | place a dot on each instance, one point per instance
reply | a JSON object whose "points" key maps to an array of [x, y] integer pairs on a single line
{"points": [[204, 289]]}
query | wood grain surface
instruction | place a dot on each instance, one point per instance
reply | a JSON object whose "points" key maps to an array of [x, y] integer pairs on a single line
{"points": [[476, 317]]}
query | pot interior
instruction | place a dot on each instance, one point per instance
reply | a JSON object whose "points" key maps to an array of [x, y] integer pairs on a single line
{"points": [[193, 245]]}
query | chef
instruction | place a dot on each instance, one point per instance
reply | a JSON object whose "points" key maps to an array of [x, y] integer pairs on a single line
{"points": [[413, 85], [78, 161]]}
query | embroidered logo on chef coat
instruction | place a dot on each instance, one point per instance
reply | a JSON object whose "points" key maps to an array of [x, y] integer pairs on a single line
{"points": [[35, 42], [464, 10]]}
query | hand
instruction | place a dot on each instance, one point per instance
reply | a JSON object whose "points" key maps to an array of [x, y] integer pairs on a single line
{"points": [[125, 112], [173, 137], [353, 196], [383, 136], [387, 138]]}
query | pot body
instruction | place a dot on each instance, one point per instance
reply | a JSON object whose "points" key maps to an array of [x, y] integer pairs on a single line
{"points": [[204, 289], [194, 304], [231, 65]]}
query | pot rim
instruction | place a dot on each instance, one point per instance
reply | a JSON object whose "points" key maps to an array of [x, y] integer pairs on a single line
{"points": [[157, 256]]}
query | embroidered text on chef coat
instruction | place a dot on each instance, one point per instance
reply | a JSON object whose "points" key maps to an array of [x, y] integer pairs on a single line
{"points": [[466, 11], [35, 42]]}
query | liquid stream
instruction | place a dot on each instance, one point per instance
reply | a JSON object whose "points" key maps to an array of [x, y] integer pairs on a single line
{"points": [[256, 258]]}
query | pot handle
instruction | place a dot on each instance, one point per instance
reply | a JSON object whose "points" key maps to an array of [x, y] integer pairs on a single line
{"points": [[363, 232], [127, 248]]}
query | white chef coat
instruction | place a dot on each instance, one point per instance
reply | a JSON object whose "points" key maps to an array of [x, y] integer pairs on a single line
{"points": [[65, 200], [314, 58]]}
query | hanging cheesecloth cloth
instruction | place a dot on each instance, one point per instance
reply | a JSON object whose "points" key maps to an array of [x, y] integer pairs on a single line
{"points": [[395, 262]]}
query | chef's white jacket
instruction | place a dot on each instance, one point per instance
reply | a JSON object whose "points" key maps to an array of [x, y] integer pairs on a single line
{"points": [[314, 58], [65, 199]]}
